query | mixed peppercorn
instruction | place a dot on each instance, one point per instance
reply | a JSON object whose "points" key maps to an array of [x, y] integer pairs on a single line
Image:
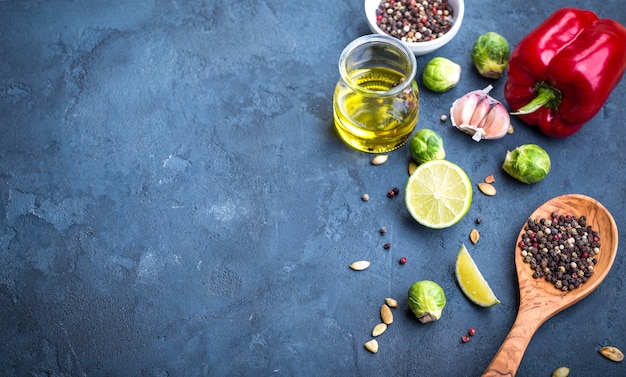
{"points": [[470, 333], [393, 192], [561, 249], [414, 20]]}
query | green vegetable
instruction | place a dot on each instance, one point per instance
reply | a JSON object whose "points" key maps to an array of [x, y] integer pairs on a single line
{"points": [[426, 300], [528, 163], [427, 145], [441, 74], [491, 54]]}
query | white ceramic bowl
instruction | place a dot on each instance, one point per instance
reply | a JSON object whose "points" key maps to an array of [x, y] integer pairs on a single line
{"points": [[421, 48]]}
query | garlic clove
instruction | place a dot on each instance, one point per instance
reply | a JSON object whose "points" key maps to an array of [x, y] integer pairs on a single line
{"points": [[497, 122], [480, 113], [463, 109]]}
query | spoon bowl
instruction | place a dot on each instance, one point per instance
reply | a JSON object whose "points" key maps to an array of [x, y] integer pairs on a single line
{"points": [[539, 299]]}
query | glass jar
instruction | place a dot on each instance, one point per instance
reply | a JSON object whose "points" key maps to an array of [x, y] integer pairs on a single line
{"points": [[376, 100]]}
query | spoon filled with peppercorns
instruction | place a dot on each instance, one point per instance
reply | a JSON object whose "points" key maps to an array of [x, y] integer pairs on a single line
{"points": [[563, 252]]}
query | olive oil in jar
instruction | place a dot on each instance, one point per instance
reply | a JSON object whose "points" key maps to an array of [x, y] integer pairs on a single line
{"points": [[376, 100], [370, 121]]}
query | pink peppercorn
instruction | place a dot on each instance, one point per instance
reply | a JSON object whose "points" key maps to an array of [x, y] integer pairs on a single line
{"points": [[465, 338], [471, 331], [403, 260]]}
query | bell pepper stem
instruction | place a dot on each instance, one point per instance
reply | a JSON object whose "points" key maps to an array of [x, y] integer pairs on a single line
{"points": [[547, 96]]}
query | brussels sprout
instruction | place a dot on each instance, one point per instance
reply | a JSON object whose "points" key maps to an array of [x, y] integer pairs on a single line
{"points": [[491, 54], [426, 300], [427, 145], [528, 163], [441, 74]]}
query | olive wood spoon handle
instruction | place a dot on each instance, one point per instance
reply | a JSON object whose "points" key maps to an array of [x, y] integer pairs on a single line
{"points": [[510, 354], [539, 300]]}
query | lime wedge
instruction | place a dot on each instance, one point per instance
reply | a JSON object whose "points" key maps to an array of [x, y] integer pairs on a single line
{"points": [[438, 194], [472, 282]]}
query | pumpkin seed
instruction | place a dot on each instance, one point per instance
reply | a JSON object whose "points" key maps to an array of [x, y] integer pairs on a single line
{"points": [[386, 315], [412, 167], [612, 353], [391, 302], [487, 188], [379, 329], [490, 179], [379, 159], [360, 265], [474, 236], [372, 346], [561, 372]]}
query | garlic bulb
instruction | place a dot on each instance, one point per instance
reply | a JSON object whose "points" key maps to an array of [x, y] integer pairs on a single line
{"points": [[480, 115]]}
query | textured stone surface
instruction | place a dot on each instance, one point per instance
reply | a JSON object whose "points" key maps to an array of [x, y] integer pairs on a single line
{"points": [[174, 201]]}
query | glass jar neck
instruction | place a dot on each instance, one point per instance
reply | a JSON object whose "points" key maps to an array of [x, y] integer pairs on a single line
{"points": [[377, 52]]}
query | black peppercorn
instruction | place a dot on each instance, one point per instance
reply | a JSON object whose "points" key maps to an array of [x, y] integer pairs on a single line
{"points": [[561, 250]]}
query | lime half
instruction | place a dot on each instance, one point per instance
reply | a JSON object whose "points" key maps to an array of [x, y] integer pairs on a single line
{"points": [[438, 194], [471, 281]]}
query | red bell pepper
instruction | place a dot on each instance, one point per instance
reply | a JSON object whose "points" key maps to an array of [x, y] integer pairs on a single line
{"points": [[562, 72]]}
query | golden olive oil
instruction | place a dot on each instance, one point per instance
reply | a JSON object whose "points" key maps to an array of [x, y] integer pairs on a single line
{"points": [[370, 115]]}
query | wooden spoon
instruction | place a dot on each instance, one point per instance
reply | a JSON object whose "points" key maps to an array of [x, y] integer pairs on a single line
{"points": [[539, 299]]}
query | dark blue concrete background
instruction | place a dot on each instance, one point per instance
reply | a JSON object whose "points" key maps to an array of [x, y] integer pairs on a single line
{"points": [[174, 201]]}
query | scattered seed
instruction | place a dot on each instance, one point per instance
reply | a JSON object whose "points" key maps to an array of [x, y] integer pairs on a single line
{"points": [[443, 118], [391, 302], [383, 230], [511, 129], [561, 372], [612, 353], [372, 346], [490, 179], [471, 331], [386, 315], [360, 265], [487, 188], [478, 220], [387, 246], [465, 338], [379, 329], [474, 236], [402, 260], [379, 159], [365, 197], [412, 167]]}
